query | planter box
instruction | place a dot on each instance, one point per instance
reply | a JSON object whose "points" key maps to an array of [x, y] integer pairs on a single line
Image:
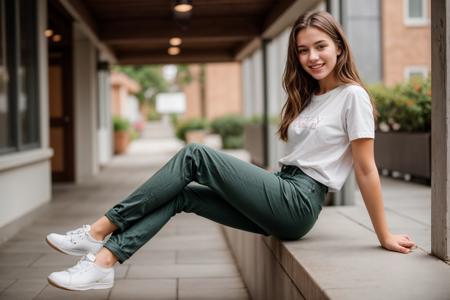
{"points": [[121, 141], [196, 136], [407, 153], [254, 143]]}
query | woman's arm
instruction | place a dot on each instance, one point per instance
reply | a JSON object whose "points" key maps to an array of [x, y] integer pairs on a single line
{"points": [[369, 184]]}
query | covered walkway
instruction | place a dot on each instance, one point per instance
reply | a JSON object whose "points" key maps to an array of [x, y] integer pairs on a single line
{"points": [[188, 259]]}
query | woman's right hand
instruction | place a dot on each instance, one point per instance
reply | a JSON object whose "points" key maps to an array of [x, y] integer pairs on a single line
{"points": [[399, 243]]}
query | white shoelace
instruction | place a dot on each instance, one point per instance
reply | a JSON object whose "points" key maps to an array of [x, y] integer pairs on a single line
{"points": [[83, 229], [80, 232], [84, 263]]}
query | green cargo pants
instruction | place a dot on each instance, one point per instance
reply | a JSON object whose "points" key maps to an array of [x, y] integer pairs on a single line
{"points": [[284, 204]]}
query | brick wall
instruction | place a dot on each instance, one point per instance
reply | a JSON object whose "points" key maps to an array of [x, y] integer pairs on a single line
{"points": [[403, 45], [192, 92], [222, 90]]}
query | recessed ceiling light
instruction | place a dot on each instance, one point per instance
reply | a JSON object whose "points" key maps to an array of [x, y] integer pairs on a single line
{"points": [[183, 6], [48, 32], [175, 41], [57, 38], [173, 51]]}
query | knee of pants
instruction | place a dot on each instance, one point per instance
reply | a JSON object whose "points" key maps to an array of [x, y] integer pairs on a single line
{"points": [[182, 203], [195, 147]]}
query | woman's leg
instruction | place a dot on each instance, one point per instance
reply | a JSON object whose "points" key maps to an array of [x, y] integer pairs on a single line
{"points": [[200, 200], [101, 228], [274, 204]]}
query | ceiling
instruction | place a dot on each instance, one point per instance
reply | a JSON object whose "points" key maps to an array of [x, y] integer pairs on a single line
{"points": [[138, 31]]}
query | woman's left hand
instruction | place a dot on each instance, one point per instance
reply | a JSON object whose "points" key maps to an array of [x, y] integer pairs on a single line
{"points": [[398, 242]]}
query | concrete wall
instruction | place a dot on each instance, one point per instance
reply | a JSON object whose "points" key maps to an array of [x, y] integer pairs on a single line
{"points": [[85, 89], [247, 89], [264, 276], [25, 182], [276, 59], [105, 130], [252, 84], [361, 22]]}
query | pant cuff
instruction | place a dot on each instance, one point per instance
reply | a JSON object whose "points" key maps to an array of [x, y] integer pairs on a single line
{"points": [[115, 249], [116, 219]]}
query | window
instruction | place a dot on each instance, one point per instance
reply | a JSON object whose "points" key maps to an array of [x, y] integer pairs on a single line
{"points": [[4, 121], [27, 74], [416, 12], [416, 72], [19, 105]]}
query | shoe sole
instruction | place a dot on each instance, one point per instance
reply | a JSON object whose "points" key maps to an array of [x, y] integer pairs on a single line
{"points": [[95, 287], [62, 251]]}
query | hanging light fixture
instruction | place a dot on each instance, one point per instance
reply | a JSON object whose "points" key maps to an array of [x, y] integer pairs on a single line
{"points": [[175, 41], [183, 6]]}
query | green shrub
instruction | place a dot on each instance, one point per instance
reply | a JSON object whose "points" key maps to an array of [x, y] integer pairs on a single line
{"points": [[233, 142], [189, 125], [255, 120], [174, 120], [228, 125], [231, 130], [134, 134], [120, 124], [153, 115], [405, 107], [258, 120]]}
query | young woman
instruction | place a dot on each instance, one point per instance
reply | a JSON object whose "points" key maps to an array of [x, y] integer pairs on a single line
{"points": [[328, 125]]}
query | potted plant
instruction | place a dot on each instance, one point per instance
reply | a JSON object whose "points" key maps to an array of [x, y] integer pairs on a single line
{"points": [[231, 130], [192, 130], [402, 137], [121, 134]]}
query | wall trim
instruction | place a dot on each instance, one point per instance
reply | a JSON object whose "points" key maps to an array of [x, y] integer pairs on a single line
{"points": [[20, 159], [9, 230]]}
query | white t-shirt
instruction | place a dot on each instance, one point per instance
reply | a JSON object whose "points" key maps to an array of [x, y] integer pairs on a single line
{"points": [[319, 138]]}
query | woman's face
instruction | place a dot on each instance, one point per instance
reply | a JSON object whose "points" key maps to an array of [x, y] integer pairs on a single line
{"points": [[317, 54]]}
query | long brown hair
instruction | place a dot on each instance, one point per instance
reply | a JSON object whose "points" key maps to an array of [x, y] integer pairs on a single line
{"points": [[297, 83]]}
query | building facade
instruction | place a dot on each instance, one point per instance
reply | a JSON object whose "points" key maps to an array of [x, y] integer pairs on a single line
{"points": [[54, 90], [218, 95], [406, 40]]}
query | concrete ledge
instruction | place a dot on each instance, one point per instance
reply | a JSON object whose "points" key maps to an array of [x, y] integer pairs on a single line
{"points": [[340, 258], [19, 159]]}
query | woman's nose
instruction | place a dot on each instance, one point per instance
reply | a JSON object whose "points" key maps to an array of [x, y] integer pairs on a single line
{"points": [[313, 56]]}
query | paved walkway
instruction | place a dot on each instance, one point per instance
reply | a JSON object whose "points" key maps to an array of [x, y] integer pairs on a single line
{"points": [[408, 210], [187, 259]]}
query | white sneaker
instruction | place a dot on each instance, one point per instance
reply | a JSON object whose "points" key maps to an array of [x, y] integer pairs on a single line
{"points": [[85, 275], [77, 242]]}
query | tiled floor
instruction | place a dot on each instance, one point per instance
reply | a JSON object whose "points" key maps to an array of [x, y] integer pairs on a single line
{"points": [[187, 259]]}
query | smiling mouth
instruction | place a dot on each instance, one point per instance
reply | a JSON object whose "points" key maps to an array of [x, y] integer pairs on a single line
{"points": [[315, 67]]}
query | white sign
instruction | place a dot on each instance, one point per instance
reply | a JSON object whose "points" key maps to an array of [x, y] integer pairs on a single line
{"points": [[167, 103]]}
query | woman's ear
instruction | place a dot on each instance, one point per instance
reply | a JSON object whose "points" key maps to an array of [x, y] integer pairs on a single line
{"points": [[339, 51]]}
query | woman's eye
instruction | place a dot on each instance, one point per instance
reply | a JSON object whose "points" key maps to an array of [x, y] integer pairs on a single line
{"points": [[302, 51], [321, 46]]}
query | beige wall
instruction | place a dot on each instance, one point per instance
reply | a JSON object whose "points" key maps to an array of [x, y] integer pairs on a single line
{"points": [[222, 90], [192, 92], [403, 45], [121, 87]]}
